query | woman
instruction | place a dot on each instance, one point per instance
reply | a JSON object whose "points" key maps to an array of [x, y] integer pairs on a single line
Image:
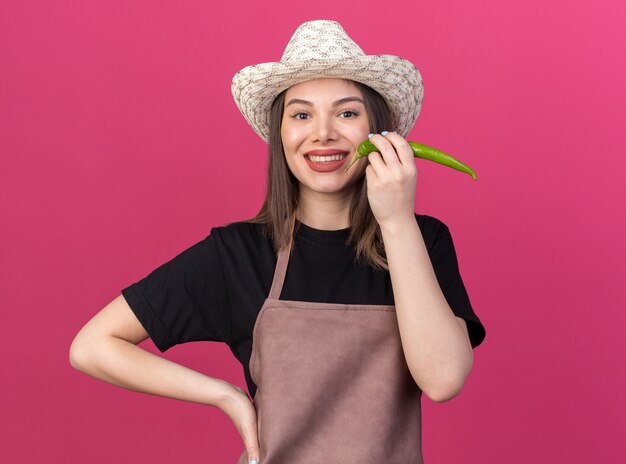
{"points": [[372, 311]]}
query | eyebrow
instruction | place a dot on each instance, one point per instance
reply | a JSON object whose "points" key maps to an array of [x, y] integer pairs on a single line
{"points": [[341, 101]]}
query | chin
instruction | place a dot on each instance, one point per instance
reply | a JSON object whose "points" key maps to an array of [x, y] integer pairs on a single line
{"points": [[329, 186]]}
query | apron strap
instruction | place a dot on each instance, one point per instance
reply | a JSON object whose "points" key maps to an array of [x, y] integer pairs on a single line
{"points": [[281, 264], [279, 274]]}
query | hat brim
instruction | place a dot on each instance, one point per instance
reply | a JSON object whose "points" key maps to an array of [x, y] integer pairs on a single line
{"points": [[254, 88]]}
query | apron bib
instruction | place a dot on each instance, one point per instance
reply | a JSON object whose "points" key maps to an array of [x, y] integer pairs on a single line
{"points": [[333, 386]]}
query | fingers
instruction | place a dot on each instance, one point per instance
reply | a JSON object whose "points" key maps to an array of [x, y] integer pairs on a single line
{"points": [[252, 445], [243, 413], [251, 439], [403, 149], [395, 155]]}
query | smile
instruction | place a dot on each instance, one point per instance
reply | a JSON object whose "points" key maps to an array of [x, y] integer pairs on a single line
{"points": [[326, 159], [326, 162]]}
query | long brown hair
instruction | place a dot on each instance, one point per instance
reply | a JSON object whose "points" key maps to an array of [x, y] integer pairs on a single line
{"points": [[280, 207]]}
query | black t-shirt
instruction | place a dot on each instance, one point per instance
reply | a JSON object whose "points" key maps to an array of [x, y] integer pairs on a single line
{"points": [[214, 290]]}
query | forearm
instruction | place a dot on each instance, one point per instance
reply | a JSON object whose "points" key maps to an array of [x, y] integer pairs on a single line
{"points": [[436, 347], [119, 362]]}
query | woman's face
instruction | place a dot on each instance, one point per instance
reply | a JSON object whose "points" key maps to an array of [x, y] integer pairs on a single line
{"points": [[324, 121]]}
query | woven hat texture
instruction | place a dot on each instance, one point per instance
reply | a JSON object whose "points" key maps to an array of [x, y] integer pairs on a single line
{"points": [[323, 49]]}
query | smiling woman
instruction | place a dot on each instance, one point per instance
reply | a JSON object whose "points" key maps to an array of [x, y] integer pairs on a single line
{"points": [[341, 303]]}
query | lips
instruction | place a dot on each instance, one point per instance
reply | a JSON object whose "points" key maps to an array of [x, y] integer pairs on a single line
{"points": [[325, 166]]}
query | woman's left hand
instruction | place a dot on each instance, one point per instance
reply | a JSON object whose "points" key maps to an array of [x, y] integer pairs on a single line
{"points": [[391, 179]]}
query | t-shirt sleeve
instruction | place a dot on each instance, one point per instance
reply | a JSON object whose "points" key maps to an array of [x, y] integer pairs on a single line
{"points": [[184, 299], [446, 267]]}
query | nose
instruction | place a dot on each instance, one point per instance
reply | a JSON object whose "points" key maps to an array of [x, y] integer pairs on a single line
{"points": [[324, 129]]}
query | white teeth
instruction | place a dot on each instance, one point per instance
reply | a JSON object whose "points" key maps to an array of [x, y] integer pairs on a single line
{"points": [[325, 159]]}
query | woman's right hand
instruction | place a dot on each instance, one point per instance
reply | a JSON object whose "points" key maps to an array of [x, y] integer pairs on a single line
{"points": [[242, 413]]}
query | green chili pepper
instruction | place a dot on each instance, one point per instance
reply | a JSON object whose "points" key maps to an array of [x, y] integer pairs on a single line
{"points": [[419, 151]]}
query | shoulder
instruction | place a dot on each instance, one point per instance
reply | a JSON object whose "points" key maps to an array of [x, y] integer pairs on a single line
{"points": [[432, 228], [429, 223], [239, 230], [240, 237]]}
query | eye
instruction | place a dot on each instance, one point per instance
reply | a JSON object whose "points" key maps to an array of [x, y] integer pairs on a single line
{"points": [[350, 113], [298, 116]]}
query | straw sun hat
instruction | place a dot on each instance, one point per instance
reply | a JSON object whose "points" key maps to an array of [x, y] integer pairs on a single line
{"points": [[321, 49]]}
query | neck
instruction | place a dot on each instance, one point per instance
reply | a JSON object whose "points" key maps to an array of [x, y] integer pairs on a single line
{"points": [[324, 211]]}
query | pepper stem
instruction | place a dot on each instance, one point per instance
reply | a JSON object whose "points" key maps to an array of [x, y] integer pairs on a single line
{"points": [[354, 160]]}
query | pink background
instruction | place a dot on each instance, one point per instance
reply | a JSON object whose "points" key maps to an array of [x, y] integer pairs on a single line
{"points": [[121, 146]]}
